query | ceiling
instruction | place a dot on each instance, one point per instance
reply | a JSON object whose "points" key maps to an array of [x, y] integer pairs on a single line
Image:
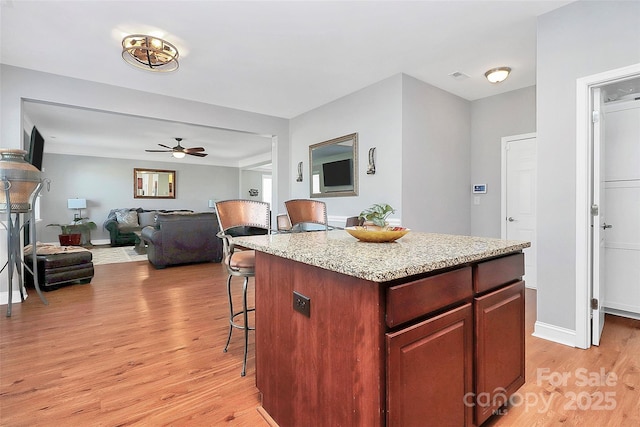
{"points": [[275, 58]]}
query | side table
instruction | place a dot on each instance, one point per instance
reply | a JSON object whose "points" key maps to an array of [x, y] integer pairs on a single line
{"points": [[140, 245]]}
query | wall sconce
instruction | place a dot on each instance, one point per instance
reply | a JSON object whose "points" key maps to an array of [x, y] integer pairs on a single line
{"points": [[253, 192], [78, 204], [299, 179], [371, 169]]}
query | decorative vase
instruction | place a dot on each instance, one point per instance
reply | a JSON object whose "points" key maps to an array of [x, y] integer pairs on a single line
{"points": [[21, 177], [70, 239], [370, 225]]}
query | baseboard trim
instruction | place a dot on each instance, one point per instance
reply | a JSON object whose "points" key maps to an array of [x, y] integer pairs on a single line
{"points": [[622, 313], [555, 333], [101, 242], [4, 297]]}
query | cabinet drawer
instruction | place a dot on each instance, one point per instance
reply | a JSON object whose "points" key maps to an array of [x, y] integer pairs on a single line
{"points": [[414, 299], [497, 272]]}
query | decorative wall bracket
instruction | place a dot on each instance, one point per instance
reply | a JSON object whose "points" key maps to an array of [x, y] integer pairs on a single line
{"points": [[299, 179], [371, 169]]}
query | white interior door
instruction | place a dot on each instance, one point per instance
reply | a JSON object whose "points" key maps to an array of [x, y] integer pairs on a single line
{"points": [[519, 192], [622, 198], [598, 224]]}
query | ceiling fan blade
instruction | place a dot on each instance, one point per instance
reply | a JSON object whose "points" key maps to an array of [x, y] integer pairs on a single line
{"points": [[198, 154], [165, 146], [158, 151], [193, 150]]}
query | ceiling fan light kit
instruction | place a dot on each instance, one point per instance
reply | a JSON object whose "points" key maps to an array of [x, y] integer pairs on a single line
{"points": [[497, 75], [179, 151], [150, 53]]}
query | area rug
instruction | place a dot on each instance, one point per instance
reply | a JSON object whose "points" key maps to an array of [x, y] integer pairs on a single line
{"points": [[109, 255]]}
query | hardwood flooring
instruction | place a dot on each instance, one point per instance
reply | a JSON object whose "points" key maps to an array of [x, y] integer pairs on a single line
{"points": [[140, 346]]}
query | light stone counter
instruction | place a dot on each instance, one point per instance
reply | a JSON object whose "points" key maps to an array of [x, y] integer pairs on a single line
{"points": [[415, 253]]}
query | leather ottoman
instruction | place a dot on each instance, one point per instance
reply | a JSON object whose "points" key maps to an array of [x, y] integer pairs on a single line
{"points": [[60, 269]]}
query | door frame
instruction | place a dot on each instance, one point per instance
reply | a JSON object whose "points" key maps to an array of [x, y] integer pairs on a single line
{"points": [[584, 175], [503, 181]]}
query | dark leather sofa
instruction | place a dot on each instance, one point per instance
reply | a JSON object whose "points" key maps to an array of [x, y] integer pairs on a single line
{"points": [[124, 234], [182, 238]]}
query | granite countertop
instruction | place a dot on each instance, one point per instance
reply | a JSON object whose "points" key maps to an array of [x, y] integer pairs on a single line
{"points": [[415, 253]]}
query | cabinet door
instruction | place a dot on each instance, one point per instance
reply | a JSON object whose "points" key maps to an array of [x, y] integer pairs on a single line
{"points": [[499, 347], [429, 371]]}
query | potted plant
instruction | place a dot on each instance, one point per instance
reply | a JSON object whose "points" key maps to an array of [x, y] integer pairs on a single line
{"points": [[71, 234], [376, 216]]}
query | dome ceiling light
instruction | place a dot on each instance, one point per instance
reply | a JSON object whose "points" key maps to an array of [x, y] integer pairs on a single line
{"points": [[150, 53], [497, 75]]}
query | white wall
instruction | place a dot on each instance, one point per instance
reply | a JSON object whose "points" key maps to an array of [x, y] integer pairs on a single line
{"points": [[580, 39], [250, 179], [422, 140], [494, 117], [108, 184], [436, 134], [375, 113]]}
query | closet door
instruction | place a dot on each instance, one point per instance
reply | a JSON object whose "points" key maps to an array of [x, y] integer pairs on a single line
{"points": [[622, 198]]}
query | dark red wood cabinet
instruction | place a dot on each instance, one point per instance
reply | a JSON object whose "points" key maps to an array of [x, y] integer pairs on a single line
{"points": [[414, 352]]}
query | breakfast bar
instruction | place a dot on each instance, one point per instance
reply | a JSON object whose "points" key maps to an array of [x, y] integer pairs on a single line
{"points": [[428, 329]]}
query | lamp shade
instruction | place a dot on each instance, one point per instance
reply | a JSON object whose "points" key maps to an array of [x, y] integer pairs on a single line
{"points": [[77, 203]]}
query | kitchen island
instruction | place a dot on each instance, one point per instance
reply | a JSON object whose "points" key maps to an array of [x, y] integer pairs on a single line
{"points": [[426, 330]]}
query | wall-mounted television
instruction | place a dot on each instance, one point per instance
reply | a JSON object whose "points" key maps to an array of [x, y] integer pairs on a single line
{"points": [[36, 149], [337, 173]]}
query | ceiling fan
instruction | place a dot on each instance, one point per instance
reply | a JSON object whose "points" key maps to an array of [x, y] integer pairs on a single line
{"points": [[179, 151]]}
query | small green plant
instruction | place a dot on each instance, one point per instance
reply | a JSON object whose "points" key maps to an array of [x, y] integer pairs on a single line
{"points": [[377, 214], [76, 227]]}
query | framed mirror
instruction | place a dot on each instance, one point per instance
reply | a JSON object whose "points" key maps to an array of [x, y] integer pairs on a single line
{"points": [[333, 170], [154, 184]]}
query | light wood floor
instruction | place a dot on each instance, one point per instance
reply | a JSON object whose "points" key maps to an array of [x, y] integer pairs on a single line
{"points": [[140, 346]]}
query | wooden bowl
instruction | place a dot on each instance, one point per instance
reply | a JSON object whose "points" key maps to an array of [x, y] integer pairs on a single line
{"points": [[377, 236]]}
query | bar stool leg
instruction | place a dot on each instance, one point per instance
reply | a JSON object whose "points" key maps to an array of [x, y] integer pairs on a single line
{"points": [[246, 325], [230, 313]]}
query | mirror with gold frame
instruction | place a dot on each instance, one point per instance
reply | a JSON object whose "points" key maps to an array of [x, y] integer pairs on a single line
{"points": [[154, 184], [333, 170]]}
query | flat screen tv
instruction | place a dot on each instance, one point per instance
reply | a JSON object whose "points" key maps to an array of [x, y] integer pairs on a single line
{"points": [[337, 173], [36, 149]]}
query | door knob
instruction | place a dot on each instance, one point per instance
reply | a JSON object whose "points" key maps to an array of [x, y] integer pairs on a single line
{"points": [[605, 226], [511, 219]]}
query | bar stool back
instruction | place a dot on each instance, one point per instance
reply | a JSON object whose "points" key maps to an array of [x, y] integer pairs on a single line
{"points": [[305, 211]]}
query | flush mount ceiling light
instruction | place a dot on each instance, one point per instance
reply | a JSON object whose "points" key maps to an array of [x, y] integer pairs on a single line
{"points": [[150, 53], [496, 75]]}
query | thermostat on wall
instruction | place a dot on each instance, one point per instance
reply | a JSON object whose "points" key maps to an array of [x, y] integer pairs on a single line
{"points": [[479, 188]]}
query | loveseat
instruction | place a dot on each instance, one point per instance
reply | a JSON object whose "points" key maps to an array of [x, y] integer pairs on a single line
{"points": [[124, 222], [182, 238]]}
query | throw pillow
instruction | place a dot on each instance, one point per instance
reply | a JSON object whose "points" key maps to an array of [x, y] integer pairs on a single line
{"points": [[127, 218], [147, 218]]}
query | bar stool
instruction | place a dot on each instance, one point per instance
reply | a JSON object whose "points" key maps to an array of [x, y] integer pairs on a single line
{"points": [[240, 218], [305, 211]]}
